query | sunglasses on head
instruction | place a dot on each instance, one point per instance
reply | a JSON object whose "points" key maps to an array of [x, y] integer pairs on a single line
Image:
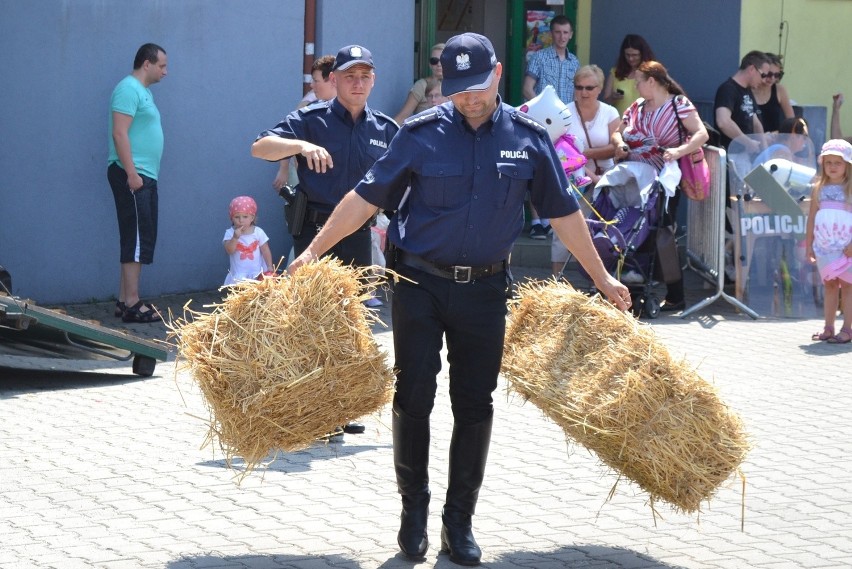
{"points": [[434, 60], [778, 75], [585, 87]]}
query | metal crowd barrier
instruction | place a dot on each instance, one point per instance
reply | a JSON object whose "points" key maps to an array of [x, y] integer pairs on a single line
{"points": [[705, 235]]}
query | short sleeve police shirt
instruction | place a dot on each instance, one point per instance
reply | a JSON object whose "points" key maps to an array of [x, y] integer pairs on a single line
{"points": [[353, 145], [465, 206]]}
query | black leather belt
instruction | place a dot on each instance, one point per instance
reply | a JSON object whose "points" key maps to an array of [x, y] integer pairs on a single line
{"points": [[457, 273], [317, 217]]}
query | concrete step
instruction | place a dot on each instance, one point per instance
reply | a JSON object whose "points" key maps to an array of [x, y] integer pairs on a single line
{"points": [[531, 252]]}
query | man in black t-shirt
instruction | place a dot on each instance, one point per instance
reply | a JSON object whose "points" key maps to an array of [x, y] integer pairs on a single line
{"points": [[735, 107], [736, 114]]}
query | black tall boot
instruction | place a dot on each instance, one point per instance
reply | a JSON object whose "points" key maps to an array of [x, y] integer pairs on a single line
{"points": [[468, 454], [411, 462]]}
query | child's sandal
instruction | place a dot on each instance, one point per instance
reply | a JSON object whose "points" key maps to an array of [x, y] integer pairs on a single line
{"points": [[826, 335], [844, 337]]}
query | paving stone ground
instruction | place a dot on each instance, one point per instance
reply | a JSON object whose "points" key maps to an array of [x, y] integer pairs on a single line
{"points": [[100, 468]]}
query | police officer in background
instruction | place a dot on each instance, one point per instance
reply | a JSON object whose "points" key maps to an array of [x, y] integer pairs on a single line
{"points": [[335, 142], [469, 163]]}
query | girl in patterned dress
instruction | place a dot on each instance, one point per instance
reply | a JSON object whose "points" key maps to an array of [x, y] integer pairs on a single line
{"points": [[829, 236]]}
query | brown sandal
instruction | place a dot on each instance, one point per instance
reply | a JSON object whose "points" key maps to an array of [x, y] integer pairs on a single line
{"points": [[826, 334], [844, 337]]}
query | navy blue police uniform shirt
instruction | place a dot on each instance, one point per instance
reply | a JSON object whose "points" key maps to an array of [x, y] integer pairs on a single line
{"points": [[353, 146], [467, 193]]}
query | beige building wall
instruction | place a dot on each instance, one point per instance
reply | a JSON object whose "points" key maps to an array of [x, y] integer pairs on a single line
{"points": [[817, 44]]}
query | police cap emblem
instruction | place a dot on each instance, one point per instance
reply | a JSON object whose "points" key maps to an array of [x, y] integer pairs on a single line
{"points": [[462, 61]]}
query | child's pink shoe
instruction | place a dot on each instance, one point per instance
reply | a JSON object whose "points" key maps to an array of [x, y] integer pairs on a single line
{"points": [[826, 334], [582, 181]]}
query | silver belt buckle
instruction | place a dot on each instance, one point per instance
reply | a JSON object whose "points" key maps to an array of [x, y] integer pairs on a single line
{"points": [[462, 274]]}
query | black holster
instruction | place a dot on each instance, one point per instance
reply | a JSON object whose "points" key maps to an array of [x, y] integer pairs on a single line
{"points": [[391, 255], [295, 208]]}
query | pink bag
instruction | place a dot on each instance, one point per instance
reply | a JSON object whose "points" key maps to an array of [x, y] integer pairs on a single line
{"points": [[694, 175], [694, 171]]}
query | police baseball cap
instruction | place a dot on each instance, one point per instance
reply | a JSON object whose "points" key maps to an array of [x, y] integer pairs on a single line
{"points": [[352, 55], [468, 62]]}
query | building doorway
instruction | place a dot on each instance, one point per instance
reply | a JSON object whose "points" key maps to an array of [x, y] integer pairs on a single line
{"points": [[513, 26]]}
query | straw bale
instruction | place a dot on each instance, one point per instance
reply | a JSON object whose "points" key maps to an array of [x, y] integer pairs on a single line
{"points": [[614, 388], [283, 361]]}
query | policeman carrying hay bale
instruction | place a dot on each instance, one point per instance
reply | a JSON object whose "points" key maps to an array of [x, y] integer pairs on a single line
{"points": [[469, 164], [335, 143]]}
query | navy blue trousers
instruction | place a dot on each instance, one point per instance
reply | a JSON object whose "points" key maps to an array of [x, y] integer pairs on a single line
{"points": [[472, 317]]}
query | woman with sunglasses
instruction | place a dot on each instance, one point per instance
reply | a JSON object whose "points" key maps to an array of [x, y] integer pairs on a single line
{"points": [[771, 96], [592, 124], [592, 121], [417, 100]]}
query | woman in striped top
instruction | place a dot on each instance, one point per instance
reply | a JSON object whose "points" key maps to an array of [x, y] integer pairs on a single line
{"points": [[649, 133]]}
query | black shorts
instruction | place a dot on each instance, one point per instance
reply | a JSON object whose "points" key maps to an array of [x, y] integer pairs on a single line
{"points": [[137, 216]]}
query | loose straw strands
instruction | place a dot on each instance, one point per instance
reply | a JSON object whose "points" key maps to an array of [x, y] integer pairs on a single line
{"points": [[614, 389], [283, 361]]}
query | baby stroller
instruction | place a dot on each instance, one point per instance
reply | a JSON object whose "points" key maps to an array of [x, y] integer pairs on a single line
{"points": [[626, 210]]}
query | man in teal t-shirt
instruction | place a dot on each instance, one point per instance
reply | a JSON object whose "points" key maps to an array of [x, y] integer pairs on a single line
{"points": [[135, 150]]}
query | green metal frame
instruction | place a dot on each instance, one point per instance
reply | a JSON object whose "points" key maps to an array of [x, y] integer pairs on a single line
{"points": [[513, 67], [428, 26], [74, 330], [515, 34]]}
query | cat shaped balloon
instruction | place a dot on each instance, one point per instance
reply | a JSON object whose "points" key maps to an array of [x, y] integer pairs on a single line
{"points": [[548, 110]]}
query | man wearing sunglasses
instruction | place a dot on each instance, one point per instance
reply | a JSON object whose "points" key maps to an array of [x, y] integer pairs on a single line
{"points": [[735, 107]]}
